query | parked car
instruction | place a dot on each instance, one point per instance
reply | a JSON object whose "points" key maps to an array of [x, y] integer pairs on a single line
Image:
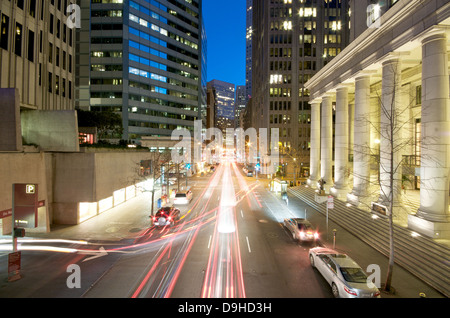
{"points": [[301, 229], [183, 197], [346, 278], [167, 215]]}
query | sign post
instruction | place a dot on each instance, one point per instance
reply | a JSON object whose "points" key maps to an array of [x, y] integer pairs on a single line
{"points": [[24, 215], [330, 205]]}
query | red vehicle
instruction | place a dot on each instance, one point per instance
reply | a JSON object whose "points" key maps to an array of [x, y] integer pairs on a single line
{"points": [[167, 215]]}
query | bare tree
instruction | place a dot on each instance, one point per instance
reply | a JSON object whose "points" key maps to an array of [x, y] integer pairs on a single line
{"points": [[154, 171], [394, 133]]}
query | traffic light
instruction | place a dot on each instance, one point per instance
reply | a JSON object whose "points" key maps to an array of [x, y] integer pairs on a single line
{"points": [[257, 166], [188, 166]]}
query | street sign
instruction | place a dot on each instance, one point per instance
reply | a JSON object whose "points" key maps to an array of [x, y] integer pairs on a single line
{"points": [[330, 205], [330, 202], [14, 266], [25, 202]]}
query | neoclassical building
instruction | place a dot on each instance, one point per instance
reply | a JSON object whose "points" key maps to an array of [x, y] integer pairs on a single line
{"points": [[380, 114]]}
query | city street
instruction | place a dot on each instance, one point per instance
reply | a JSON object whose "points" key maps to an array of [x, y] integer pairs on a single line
{"points": [[229, 243]]}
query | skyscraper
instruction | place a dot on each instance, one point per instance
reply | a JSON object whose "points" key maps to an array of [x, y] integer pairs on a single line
{"points": [[224, 97], [240, 104], [143, 59], [292, 40], [248, 51], [37, 53]]}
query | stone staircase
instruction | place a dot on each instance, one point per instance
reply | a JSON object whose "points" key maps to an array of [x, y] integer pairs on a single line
{"points": [[420, 255]]}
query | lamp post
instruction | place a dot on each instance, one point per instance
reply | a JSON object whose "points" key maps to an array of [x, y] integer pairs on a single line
{"points": [[295, 172]]}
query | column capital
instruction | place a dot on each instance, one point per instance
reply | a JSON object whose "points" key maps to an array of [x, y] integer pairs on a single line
{"points": [[343, 86], [315, 101], [435, 32], [365, 74], [393, 57], [329, 94]]}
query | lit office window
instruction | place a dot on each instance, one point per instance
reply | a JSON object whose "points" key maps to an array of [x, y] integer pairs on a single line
{"points": [[18, 40], [308, 12], [4, 32]]}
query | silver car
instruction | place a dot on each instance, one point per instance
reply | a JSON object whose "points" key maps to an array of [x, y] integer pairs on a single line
{"points": [[301, 229], [346, 278]]}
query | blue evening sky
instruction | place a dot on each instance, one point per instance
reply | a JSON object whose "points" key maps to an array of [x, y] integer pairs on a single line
{"points": [[225, 23]]}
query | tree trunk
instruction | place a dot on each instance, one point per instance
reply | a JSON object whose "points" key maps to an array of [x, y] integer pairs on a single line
{"points": [[387, 286], [390, 270]]}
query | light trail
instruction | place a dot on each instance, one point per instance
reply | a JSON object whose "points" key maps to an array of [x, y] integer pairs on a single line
{"points": [[172, 271], [244, 187], [224, 276]]}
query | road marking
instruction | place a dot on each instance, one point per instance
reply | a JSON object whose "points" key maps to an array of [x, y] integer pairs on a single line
{"points": [[101, 252], [242, 215], [209, 243], [186, 214], [248, 244]]}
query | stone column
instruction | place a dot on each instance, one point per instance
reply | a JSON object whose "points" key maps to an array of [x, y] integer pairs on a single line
{"points": [[433, 218], [326, 141], [314, 165], [391, 142], [361, 140], [341, 142]]}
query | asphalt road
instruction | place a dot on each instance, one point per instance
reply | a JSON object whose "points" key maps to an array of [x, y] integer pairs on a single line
{"points": [[230, 243]]}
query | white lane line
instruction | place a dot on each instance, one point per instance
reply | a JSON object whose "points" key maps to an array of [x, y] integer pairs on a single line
{"points": [[242, 215], [248, 245], [209, 243]]}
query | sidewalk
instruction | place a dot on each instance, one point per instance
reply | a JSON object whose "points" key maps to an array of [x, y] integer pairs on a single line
{"points": [[120, 222]]}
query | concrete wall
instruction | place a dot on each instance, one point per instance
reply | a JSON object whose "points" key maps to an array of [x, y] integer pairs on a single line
{"points": [[23, 168], [51, 130], [10, 134], [67, 179], [91, 177]]}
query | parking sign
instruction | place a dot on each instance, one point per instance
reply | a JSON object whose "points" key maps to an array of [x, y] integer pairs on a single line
{"points": [[25, 201], [330, 202]]}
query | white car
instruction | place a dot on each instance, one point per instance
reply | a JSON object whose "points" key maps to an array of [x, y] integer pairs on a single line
{"points": [[301, 229], [183, 197], [346, 278]]}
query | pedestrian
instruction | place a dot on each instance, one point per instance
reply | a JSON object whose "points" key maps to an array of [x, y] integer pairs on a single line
{"points": [[159, 203]]}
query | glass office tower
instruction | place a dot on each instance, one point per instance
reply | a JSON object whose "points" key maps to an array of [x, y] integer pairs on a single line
{"points": [[142, 59], [224, 97]]}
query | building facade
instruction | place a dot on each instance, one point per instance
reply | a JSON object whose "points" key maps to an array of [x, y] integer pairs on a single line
{"points": [[143, 59], [248, 51], [37, 53], [240, 103], [389, 94], [224, 102], [291, 41]]}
